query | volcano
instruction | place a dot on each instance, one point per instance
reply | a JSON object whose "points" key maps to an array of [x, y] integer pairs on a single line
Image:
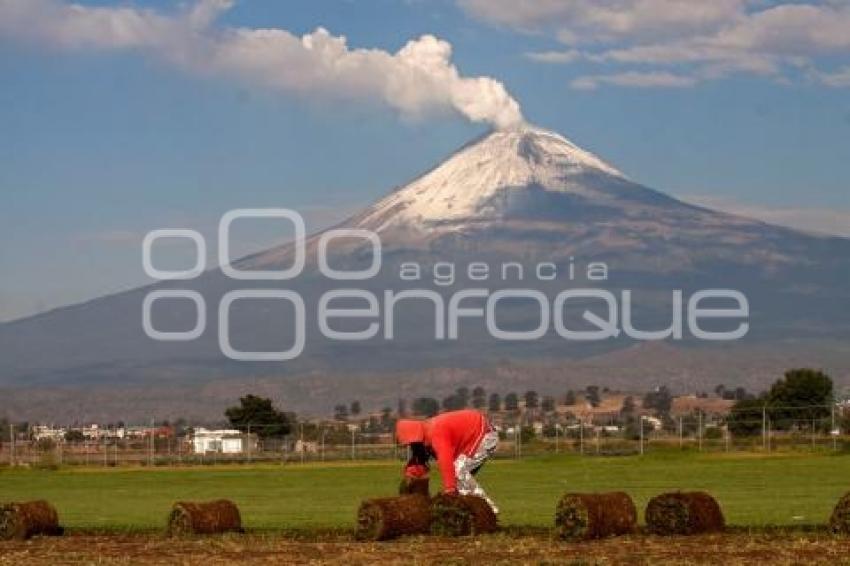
{"points": [[519, 197]]}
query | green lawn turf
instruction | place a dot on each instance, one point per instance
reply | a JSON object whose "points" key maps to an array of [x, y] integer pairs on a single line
{"points": [[753, 490]]}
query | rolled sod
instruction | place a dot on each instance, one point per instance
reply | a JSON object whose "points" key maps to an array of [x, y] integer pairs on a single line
{"points": [[584, 516], [684, 513], [204, 518], [461, 515], [28, 519], [414, 486], [839, 522], [391, 517]]}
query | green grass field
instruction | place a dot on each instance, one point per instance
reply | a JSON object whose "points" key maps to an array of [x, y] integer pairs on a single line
{"points": [[753, 490]]}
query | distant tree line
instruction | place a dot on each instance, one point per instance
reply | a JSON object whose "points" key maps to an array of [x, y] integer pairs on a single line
{"points": [[802, 396]]}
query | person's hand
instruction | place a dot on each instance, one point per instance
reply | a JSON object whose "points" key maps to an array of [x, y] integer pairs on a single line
{"points": [[452, 492]]}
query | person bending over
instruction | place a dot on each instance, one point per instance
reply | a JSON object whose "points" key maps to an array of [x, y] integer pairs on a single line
{"points": [[461, 441]]}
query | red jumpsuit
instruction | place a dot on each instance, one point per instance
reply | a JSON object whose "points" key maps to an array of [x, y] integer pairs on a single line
{"points": [[450, 436]]}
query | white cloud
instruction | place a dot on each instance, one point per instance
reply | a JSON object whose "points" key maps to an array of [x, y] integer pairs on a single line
{"points": [[556, 57], [417, 80], [634, 79], [588, 20], [837, 79], [706, 40]]}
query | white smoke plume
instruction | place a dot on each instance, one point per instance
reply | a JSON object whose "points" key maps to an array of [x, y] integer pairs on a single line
{"points": [[418, 80]]}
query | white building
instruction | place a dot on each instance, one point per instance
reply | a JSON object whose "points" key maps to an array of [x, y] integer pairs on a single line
{"points": [[42, 432], [225, 441]]}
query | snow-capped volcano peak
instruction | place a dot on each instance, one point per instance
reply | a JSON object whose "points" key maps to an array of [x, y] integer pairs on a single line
{"points": [[477, 180]]}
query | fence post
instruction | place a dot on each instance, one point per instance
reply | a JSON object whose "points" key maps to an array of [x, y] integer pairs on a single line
{"points": [[12, 456], [832, 429], [353, 444], [681, 433], [764, 443], [814, 441], [519, 442], [641, 435], [768, 436], [556, 438], [699, 430], [581, 437]]}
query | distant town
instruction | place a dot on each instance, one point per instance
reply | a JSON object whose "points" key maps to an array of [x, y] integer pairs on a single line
{"points": [[593, 420]]}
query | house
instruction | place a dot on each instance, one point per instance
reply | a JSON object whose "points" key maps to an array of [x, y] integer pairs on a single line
{"points": [[654, 422], [306, 446], [225, 441], [42, 432]]}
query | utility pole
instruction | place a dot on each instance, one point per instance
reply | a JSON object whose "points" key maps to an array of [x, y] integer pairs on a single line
{"points": [[301, 435]]}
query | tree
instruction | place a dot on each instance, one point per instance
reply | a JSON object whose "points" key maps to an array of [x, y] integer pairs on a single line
{"points": [[258, 414], [511, 402], [494, 403], [457, 400], [401, 408], [628, 408], [591, 393], [479, 397], [462, 394], [73, 436], [548, 404], [803, 394], [660, 400], [425, 406], [746, 417], [453, 402], [387, 420], [532, 400], [355, 408], [570, 398], [741, 394], [5, 431], [340, 412]]}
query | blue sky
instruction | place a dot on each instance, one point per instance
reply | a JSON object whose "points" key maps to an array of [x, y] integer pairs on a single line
{"points": [[107, 133]]}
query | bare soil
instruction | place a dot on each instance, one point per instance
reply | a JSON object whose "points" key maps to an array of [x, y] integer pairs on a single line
{"points": [[512, 547]]}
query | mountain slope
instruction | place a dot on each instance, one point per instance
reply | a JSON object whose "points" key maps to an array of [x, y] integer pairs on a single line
{"points": [[521, 196]]}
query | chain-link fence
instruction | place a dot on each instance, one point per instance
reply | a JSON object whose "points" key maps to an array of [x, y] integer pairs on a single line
{"points": [[766, 429]]}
